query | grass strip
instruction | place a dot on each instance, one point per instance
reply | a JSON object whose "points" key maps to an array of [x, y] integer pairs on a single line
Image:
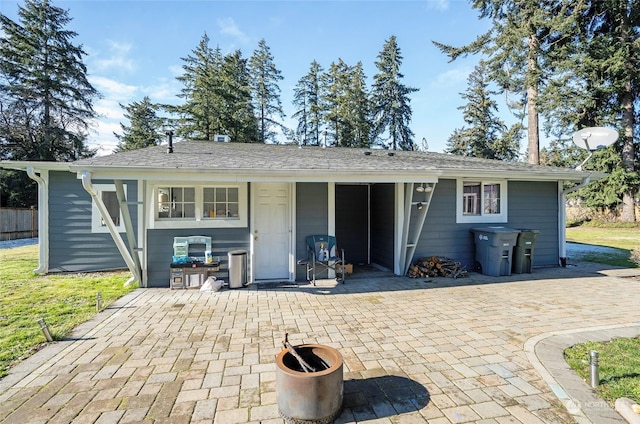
{"points": [[619, 370]]}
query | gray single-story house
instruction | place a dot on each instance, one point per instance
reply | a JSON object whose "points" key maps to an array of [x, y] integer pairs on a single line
{"points": [[386, 207]]}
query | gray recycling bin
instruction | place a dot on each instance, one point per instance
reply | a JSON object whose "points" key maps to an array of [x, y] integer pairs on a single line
{"points": [[237, 268], [523, 251], [494, 249]]}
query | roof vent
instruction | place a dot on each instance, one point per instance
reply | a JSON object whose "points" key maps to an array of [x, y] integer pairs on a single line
{"points": [[391, 154], [367, 153]]}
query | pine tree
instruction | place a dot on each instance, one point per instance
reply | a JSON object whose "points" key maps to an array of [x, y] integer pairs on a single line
{"points": [[486, 136], [517, 47], [358, 109], [200, 114], [144, 127], [306, 99], [390, 101], [334, 84], [45, 96], [238, 116], [595, 83], [266, 92], [44, 84]]}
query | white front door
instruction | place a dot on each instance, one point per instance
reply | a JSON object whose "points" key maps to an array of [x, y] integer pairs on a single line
{"points": [[271, 230]]}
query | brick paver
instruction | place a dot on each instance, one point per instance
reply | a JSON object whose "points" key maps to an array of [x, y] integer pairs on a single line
{"points": [[415, 350]]}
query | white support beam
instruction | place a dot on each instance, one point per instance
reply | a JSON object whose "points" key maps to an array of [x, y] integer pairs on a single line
{"points": [[128, 224], [104, 213]]}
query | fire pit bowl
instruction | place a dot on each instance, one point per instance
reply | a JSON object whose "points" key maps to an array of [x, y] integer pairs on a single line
{"points": [[309, 397]]}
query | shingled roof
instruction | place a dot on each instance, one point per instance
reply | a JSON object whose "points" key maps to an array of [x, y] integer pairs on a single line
{"points": [[251, 157], [255, 159]]}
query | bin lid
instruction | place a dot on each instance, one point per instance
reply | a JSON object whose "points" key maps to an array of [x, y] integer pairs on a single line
{"points": [[237, 252], [495, 230]]}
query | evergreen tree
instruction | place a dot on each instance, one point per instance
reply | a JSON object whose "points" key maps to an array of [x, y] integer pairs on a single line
{"points": [[390, 101], [595, 83], [516, 47], [238, 118], [144, 126], [266, 92], [306, 99], [358, 109], [200, 114], [486, 135], [45, 97], [334, 87]]}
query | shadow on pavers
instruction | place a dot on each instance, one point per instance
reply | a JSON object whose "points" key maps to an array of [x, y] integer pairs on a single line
{"points": [[384, 396]]}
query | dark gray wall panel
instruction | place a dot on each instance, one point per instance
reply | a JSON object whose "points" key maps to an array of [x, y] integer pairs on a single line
{"points": [[352, 222], [72, 245], [532, 205], [160, 249], [382, 224], [312, 217]]}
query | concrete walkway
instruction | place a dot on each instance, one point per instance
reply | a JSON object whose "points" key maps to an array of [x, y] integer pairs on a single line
{"points": [[481, 349]]}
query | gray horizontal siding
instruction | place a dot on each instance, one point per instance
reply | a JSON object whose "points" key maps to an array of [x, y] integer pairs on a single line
{"points": [[532, 205], [72, 245], [312, 217], [160, 249]]}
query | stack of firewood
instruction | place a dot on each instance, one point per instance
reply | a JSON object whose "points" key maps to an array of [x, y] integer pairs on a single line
{"points": [[436, 266]]}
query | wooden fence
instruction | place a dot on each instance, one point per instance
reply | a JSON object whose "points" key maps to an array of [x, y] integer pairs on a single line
{"points": [[18, 223]]}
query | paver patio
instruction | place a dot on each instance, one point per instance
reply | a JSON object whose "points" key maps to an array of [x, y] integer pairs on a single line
{"points": [[415, 350]]}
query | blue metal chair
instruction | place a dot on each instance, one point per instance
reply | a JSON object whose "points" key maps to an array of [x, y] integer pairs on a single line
{"points": [[322, 256]]}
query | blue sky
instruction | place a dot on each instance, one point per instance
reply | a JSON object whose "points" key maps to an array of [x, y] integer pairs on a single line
{"points": [[135, 48]]}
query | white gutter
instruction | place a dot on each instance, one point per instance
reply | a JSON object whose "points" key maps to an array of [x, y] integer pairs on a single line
{"points": [[104, 213], [562, 216], [43, 223]]}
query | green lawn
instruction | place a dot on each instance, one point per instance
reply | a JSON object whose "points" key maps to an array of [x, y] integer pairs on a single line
{"points": [[619, 371], [623, 238], [64, 301], [619, 358]]}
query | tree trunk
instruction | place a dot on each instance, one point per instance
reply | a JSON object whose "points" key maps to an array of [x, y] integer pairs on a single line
{"points": [[533, 132], [628, 154]]}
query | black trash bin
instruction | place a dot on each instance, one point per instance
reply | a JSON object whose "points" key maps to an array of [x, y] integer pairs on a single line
{"points": [[523, 251], [494, 249]]}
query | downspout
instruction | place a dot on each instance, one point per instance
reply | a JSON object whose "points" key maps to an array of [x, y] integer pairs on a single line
{"points": [[562, 216], [43, 223], [104, 213]]}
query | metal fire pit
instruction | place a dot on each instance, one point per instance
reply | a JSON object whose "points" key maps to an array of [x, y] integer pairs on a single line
{"points": [[309, 397]]}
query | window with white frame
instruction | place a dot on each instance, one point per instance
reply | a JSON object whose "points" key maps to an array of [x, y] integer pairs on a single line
{"points": [[107, 193], [481, 201], [208, 206]]}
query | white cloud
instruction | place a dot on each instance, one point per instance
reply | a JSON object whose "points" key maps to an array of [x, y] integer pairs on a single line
{"points": [[112, 89], [228, 26], [117, 58], [455, 77]]}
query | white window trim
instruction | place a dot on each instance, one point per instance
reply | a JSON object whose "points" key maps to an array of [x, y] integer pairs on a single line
{"points": [[199, 221], [96, 218], [502, 217]]}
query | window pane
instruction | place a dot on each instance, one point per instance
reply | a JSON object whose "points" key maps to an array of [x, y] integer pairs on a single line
{"points": [[208, 195], [471, 198], [492, 198], [110, 200], [233, 195], [189, 210], [189, 194], [221, 195]]}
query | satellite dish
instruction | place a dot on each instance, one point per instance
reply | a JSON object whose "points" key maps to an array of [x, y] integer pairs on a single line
{"points": [[595, 138]]}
